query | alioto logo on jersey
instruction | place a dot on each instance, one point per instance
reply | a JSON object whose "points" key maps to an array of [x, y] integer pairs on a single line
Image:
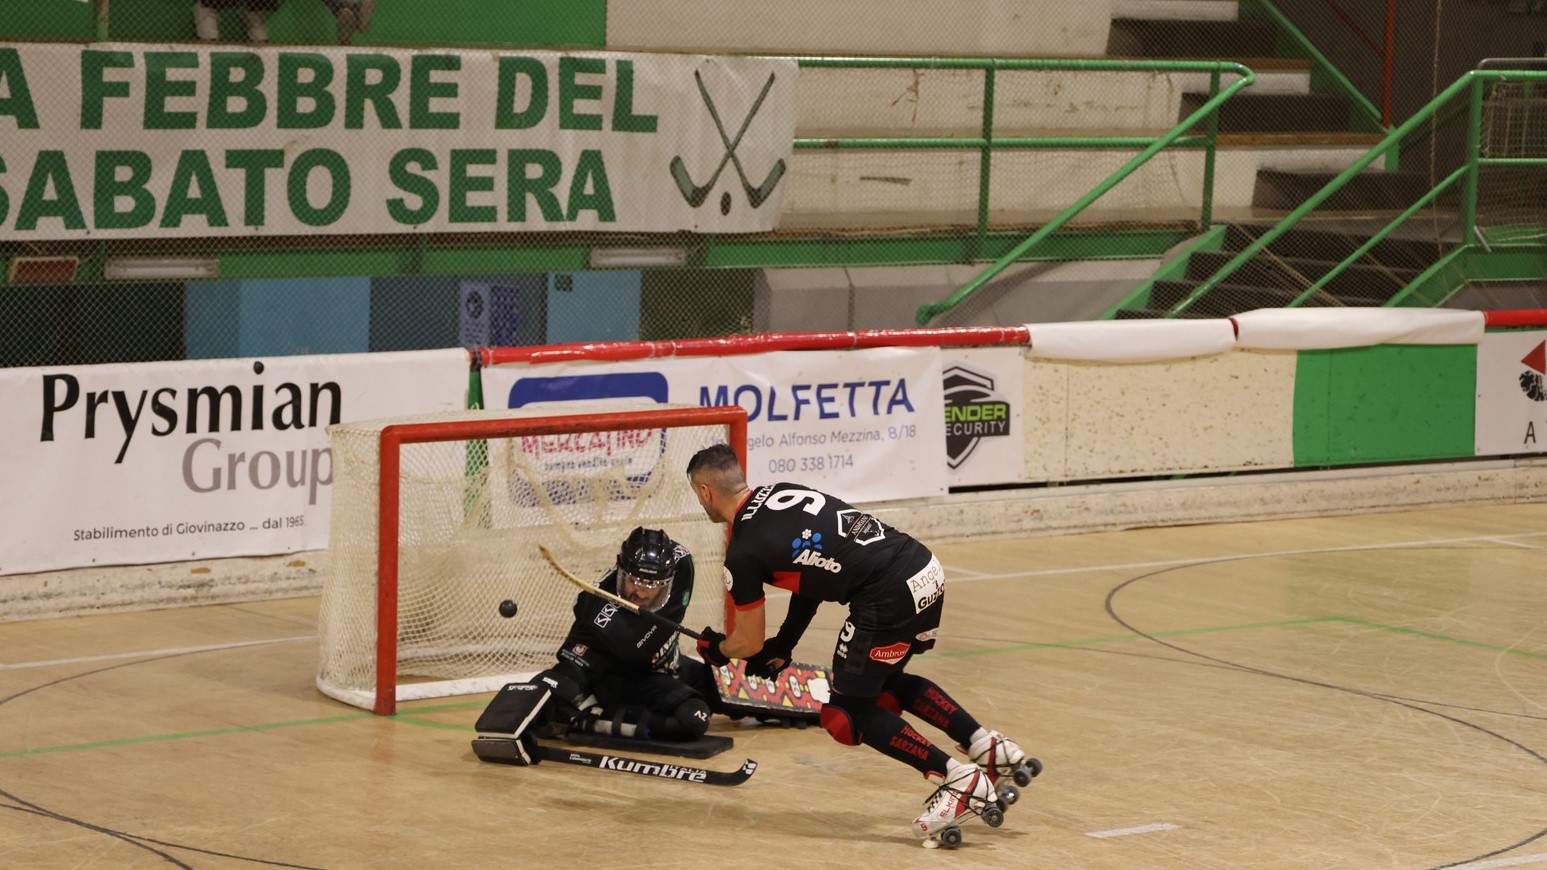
{"points": [[808, 552]]}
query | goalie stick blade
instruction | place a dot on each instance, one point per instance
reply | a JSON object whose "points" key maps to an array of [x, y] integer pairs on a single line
{"points": [[642, 767]]}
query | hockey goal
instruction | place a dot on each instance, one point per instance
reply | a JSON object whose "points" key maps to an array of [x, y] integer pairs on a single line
{"points": [[436, 520]]}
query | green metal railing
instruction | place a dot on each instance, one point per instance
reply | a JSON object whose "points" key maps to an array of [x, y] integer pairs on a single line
{"points": [[1472, 86], [1151, 146]]}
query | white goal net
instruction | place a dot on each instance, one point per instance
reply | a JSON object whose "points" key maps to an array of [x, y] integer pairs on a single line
{"points": [[437, 519]]}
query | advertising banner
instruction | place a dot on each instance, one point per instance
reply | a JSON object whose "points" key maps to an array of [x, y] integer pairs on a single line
{"points": [[161, 462], [140, 141], [984, 441], [1511, 393], [863, 425]]}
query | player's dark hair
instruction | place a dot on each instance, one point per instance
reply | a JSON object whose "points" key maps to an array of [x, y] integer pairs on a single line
{"points": [[715, 457]]}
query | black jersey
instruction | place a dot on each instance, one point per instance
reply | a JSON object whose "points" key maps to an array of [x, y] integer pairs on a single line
{"points": [[606, 639], [815, 545]]}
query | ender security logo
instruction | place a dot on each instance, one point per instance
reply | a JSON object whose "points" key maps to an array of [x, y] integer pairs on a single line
{"points": [[694, 193], [973, 411], [1531, 379]]}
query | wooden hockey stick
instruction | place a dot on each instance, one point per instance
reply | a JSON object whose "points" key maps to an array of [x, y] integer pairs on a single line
{"points": [[619, 600]]}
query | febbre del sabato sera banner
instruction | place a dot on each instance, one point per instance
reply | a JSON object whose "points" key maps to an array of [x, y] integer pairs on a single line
{"points": [[129, 140]]}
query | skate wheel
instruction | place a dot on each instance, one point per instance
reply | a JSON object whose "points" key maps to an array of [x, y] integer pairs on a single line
{"points": [[930, 843], [950, 838], [1025, 774], [1008, 794], [993, 816]]}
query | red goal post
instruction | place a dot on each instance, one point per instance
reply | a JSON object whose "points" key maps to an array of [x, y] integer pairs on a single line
{"points": [[436, 520]]}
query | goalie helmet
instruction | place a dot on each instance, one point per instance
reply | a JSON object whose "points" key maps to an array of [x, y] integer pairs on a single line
{"points": [[646, 565]]}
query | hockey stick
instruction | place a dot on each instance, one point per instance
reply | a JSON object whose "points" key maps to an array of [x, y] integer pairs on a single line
{"points": [[504, 750], [756, 196], [696, 194], [619, 600]]}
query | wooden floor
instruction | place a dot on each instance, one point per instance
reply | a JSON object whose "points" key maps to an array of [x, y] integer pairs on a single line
{"points": [[1365, 692]]}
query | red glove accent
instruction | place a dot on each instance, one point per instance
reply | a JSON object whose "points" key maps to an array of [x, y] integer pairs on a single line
{"points": [[709, 648]]}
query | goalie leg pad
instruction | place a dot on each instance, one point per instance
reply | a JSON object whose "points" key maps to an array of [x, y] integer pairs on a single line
{"points": [[521, 751], [514, 709]]}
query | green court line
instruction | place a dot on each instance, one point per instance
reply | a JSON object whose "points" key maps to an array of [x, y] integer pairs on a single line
{"points": [[413, 717], [1429, 635]]}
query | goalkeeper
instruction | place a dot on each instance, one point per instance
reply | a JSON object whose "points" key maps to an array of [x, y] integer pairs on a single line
{"points": [[619, 673]]}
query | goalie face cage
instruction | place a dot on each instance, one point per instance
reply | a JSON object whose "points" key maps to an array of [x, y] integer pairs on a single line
{"points": [[437, 520]]}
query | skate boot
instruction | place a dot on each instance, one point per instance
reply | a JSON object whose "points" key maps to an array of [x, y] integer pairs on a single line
{"points": [[1002, 759], [963, 793]]}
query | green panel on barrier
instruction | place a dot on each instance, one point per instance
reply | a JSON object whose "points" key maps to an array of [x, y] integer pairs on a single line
{"points": [[510, 23], [1386, 403]]}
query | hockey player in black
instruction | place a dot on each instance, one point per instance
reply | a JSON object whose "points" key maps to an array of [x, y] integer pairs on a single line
{"points": [[617, 672], [820, 548]]}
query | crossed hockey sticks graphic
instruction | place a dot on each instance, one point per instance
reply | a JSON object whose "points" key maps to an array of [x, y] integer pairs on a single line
{"points": [[696, 194]]}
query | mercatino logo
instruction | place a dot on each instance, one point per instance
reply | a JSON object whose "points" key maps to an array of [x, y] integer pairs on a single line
{"points": [[973, 411], [695, 194], [1531, 379], [808, 551]]}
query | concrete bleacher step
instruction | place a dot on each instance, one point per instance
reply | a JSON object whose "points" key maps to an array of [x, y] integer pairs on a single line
{"points": [[1368, 190], [1178, 38], [1294, 274], [1337, 245], [1275, 113]]}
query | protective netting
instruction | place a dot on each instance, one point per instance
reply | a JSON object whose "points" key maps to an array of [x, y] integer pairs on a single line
{"points": [[1512, 198], [472, 516]]}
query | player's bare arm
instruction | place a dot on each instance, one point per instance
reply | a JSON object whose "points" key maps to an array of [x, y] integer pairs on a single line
{"points": [[744, 634]]}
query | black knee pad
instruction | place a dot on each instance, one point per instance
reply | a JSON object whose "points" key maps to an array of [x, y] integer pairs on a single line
{"points": [[693, 717], [846, 717]]}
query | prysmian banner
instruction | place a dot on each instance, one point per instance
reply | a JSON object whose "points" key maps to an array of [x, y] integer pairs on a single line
{"points": [[160, 462], [863, 425], [129, 140]]}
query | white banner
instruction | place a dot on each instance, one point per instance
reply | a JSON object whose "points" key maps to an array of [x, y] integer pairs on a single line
{"points": [[1511, 393], [984, 441], [139, 141], [161, 462], [863, 425]]}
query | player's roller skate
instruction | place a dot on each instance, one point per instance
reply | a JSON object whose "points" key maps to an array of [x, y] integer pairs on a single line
{"points": [[964, 792], [1004, 762]]}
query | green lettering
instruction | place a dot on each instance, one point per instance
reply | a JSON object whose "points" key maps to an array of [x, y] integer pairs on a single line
{"points": [[110, 188], [254, 163], [458, 210], [50, 168], [511, 70], [95, 89], [292, 90], [225, 87], [358, 90], [589, 190], [519, 184], [193, 171], [414, 184], [337, 168], [623, 118], [571, 92], [15, 96], [159, 88], [422, 89]]}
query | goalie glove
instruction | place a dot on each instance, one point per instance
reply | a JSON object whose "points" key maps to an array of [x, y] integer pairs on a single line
{"points": [[709, 648], [770, 660]]}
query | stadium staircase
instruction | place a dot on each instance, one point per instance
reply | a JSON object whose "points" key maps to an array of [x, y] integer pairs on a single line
{"points": [[1280, 274]]}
